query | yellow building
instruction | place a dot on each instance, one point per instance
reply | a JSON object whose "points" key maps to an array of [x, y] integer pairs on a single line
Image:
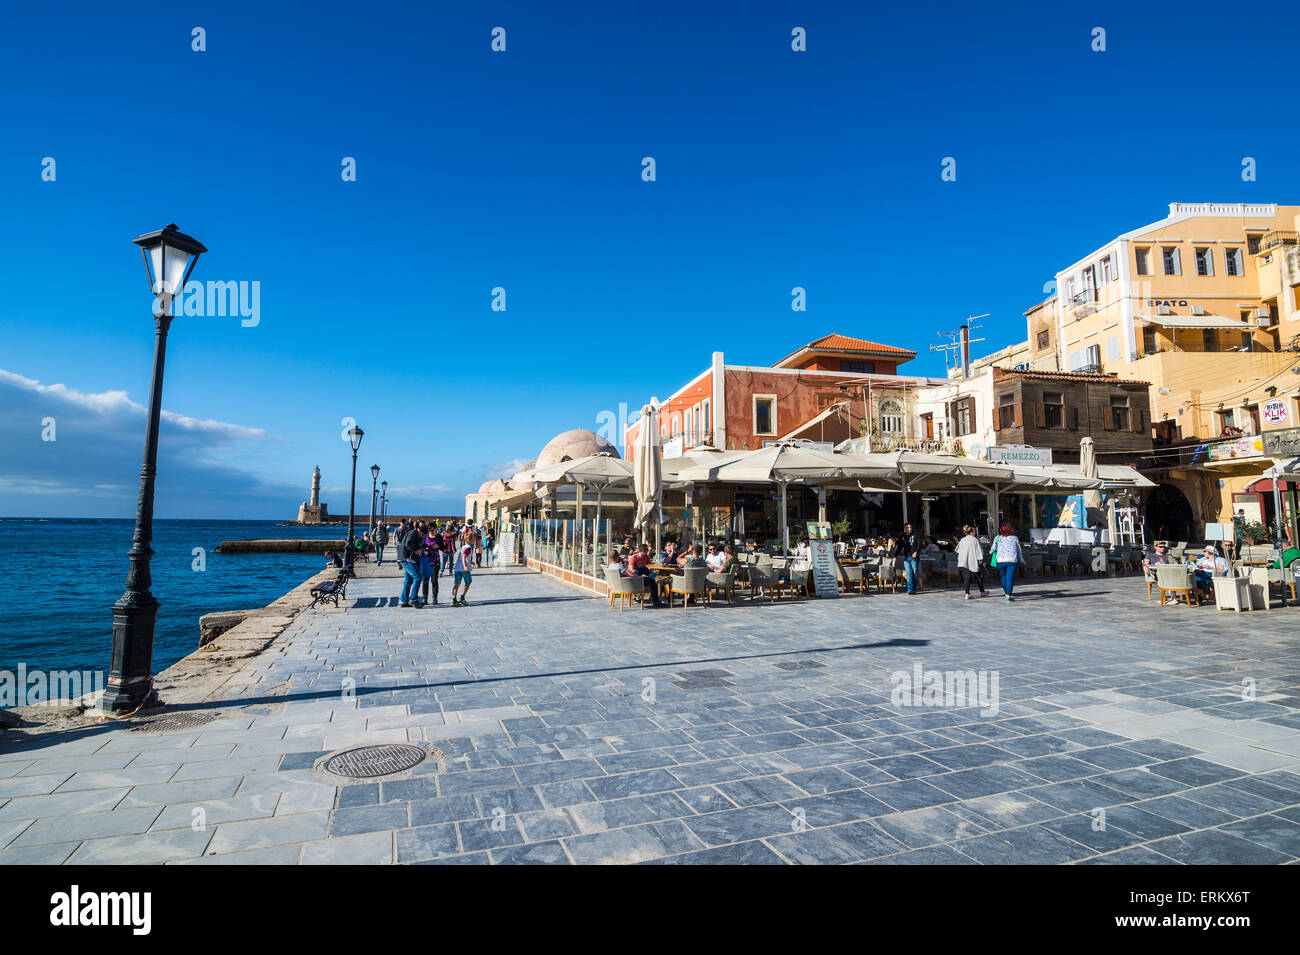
{"points": [[1205, 305]]}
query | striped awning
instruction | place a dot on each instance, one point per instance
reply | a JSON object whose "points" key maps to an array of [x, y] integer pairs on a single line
{"points": [[1196, 321]]}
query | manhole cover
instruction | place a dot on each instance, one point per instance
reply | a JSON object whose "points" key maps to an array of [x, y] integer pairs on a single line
{"points": [[368, 762], [171, 722]]}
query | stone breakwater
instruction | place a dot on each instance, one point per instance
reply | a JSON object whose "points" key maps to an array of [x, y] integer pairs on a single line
{"points": [[292, 546]]}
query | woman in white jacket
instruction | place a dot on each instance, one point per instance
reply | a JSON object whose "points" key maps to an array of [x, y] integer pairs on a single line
{"points": [[969, 556]]}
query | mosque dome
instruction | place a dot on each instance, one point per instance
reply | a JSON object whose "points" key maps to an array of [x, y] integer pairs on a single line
{"points": [[578, 443]]}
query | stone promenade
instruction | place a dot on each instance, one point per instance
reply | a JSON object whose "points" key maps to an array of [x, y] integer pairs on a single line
{"points": [[556, 730]]}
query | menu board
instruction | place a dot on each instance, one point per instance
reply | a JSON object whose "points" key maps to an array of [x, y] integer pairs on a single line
{"points": [[825, 583]]}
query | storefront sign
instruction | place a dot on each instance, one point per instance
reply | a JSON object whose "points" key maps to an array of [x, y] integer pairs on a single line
{"points": [[1275, 412], [1248, 446], [1020, 454], [1282, 444], [825, 583]]}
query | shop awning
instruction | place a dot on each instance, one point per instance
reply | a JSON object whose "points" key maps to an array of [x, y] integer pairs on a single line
{"points": [[1196, 321]]}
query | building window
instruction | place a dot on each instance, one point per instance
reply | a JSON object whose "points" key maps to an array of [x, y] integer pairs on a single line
{"points": [[1148, 340], [1204, 261], [1053, 410], [1007, 410], [891, 417], [1143, 257], [705, 425], [1044, 339], [1208, 342], [1252, 243], [858, 367], [1108, 270], [1172, 260], [1119, 412], [1232, 261], [765, 414], [677, 425], [964, 416]]}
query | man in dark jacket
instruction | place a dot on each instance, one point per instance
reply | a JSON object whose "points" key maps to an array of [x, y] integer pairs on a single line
{"points": [[410, 544], [380, 537], [908, 547]]}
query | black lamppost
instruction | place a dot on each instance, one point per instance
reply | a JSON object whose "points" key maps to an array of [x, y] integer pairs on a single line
{"points": [[354, 436], [169, 258], [383, 501], [374, 494]]}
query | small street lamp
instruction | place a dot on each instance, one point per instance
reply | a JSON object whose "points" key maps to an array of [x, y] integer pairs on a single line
{"points": [[383, 501], [169, 258], [354, 437], [374, 493]]}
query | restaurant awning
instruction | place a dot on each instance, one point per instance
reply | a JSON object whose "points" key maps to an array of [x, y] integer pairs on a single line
{"points": [[1112, 476], [1285, 470], [1196, 321]]}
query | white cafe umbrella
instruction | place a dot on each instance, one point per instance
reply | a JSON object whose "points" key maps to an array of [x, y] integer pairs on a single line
{"points": [[1088, 469], [647, 475], [601, 471]]}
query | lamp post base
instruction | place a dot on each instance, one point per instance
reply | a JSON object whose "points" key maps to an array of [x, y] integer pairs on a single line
{"points": [[130, 682]]}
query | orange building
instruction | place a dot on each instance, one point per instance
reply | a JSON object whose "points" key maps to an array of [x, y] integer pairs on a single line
{"points": [[822, 391]]}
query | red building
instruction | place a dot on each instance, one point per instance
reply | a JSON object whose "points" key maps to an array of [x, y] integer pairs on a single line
{"points": [[817, 392]]}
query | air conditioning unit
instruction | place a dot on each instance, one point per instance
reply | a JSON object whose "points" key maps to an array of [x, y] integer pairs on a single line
{"points": [[1164, 310], [1198, 309], [1261, 312], [1262, 321]]}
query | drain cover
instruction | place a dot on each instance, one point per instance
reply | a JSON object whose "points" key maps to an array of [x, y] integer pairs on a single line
{"points": [[369, 762], [171, 722]]}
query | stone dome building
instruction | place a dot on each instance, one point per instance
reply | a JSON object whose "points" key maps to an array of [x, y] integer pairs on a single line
{"points": [[570, 445]]}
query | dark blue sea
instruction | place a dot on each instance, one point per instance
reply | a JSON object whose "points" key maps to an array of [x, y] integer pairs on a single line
{"points": [[62, 577]]}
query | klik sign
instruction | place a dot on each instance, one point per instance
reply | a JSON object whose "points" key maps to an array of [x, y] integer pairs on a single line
{"points": [[1275, 411]]}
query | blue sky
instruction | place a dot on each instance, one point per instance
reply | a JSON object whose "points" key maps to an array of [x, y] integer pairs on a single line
{"points": [[522, 170]]}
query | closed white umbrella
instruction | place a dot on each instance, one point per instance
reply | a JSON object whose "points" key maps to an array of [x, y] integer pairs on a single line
{"points": [[647, 470], [1088, 469]]}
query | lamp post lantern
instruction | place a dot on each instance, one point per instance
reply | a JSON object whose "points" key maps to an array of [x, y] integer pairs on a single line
{"points": [[374, 494], [354, 438], [169, 258], [383, 501]]}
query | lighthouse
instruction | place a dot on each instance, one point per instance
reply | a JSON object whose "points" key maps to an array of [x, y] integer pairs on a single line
{"points": [[314, 512]]}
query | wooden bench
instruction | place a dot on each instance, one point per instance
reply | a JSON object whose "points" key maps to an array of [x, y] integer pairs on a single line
{"points": [[331, 590]]}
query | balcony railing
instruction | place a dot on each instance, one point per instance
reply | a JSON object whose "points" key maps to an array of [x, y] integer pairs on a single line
{"points": [[1271, 240], [884, 443]]}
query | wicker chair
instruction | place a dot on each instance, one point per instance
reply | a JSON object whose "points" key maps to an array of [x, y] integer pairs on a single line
{"points": [[693, 581], [1178, 579], [764, 579], [796, 575], [624, 588], [726, 583]]}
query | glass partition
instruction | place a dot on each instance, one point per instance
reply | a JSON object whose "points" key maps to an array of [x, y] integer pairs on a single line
{"points": [[571, 545]]}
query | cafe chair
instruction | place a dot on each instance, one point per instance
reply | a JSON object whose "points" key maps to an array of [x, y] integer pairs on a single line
{"points": [[626, 589], [1176, 579], [692, 582], [726, 583]]}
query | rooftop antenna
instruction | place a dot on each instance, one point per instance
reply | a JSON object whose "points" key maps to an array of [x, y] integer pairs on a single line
{"points": [[958, 344]]}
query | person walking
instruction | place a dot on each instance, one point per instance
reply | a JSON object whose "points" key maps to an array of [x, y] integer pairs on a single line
{"points": [[380, 537], [1008, 555], [970, 555], [908, 547], [448, 549], [489, 545], [478, 547], [464, 570], [429, 561], [408, 556]]}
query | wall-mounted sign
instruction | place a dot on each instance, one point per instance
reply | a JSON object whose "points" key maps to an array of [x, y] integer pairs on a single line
{"points": [[1168, 302], [1275, 412], [1248, 446], [1020, 454], [1282, 444]]}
